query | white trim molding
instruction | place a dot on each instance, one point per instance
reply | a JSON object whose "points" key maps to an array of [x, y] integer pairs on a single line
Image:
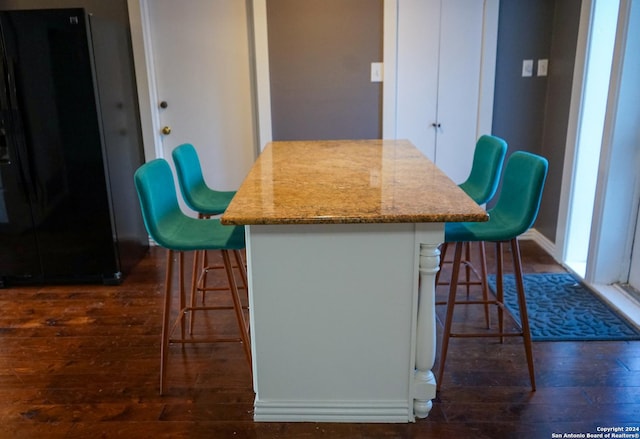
{"points": [[263, 79], [390, 58], [141, 42], [333, 411]]}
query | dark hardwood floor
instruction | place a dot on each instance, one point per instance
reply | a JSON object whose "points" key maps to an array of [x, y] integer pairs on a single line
{"points": [[83, 361]]}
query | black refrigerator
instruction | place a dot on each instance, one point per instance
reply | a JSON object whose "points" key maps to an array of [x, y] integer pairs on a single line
{"points": [[69, 145]]}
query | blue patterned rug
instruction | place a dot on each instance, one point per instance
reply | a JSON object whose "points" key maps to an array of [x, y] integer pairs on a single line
{"points": [[560, 308]]}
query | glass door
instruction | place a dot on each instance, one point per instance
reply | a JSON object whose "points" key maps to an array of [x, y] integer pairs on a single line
{"points": [[598, 71]]}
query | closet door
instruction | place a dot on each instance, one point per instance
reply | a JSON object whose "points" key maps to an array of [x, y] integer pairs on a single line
{"points": [[458, 86], [442, 101], [417, 73]]}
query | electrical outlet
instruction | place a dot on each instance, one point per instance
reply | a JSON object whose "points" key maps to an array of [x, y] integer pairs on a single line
{"points": [[527, 67], [376, 71], [543, 66]]}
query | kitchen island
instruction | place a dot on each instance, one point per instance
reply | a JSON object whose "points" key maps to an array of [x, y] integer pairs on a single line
{"points": [[342, 252]]}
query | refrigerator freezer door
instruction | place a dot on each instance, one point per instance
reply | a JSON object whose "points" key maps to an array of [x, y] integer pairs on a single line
{"points": [[19, 254], [63, 148]]}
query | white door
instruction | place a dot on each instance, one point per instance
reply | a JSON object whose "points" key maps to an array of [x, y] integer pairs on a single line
{"points": [[460, 61], [445, 72], [199, 51], [417, 77]]}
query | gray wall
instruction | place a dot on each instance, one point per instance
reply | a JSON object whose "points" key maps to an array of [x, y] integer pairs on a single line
{"points": [[531, 113], [320, 54]]}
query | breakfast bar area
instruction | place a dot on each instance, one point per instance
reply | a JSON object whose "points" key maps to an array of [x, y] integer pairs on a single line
{"points": [[342, 252]]}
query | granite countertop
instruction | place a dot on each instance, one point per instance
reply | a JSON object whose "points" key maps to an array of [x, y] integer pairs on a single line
{"points": [[348, 181]]}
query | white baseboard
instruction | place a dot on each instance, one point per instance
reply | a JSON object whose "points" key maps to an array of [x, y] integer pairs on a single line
{"points": [[333, 411], [619, 299], [542, 241]]}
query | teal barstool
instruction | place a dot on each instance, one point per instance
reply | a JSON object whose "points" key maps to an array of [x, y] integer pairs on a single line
{"points": [[179, 233], [196, 194], [206, 202], [480, 186], [514, 213], [488, 157]]}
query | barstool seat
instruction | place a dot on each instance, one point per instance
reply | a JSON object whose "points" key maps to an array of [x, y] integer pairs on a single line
{"points": [[179, 233], [514, 213]]}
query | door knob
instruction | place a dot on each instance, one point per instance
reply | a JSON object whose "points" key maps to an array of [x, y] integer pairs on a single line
{"points": [[166, 130]]}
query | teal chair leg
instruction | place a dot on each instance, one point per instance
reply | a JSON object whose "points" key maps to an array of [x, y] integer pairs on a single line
{"points": [[522, 305], [448, 322], [524, 331], [242, 323], [166, 317], [469, 271], [184, 310], [200, 274]]}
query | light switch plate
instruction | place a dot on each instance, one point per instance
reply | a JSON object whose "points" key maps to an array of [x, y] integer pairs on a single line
{"points": [[543, 66], [376, 71], [527, 67]]}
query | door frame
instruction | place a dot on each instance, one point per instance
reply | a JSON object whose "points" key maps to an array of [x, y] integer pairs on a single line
{"points": [[142, 46], [616, 204], [609, 249]]}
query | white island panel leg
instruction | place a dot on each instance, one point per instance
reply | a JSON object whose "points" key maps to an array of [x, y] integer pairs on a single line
{"points": [[428, 239]]}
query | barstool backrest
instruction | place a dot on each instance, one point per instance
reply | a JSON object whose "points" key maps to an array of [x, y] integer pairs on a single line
{"points": [[488, 157], [158, 199], [521, 193], [189, 173]]}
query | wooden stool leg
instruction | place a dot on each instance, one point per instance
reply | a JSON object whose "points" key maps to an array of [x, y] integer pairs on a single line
{"points": [[524, 317], [443, 252], [195, 280], [467, 267], [205, 272], [242, 268], [500, 288], [483, 280], [166, 314], [242, 326], [181, 291], [453, 286]]}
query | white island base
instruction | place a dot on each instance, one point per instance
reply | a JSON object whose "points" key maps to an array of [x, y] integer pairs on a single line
{"points": [[343, 320]]}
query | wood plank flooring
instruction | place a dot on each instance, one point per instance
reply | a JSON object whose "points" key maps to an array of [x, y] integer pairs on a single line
{"points": [[83, 361]]}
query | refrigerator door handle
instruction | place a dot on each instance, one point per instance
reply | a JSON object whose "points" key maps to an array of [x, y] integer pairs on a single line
{"points": [[13, 136], [5, 158]]}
